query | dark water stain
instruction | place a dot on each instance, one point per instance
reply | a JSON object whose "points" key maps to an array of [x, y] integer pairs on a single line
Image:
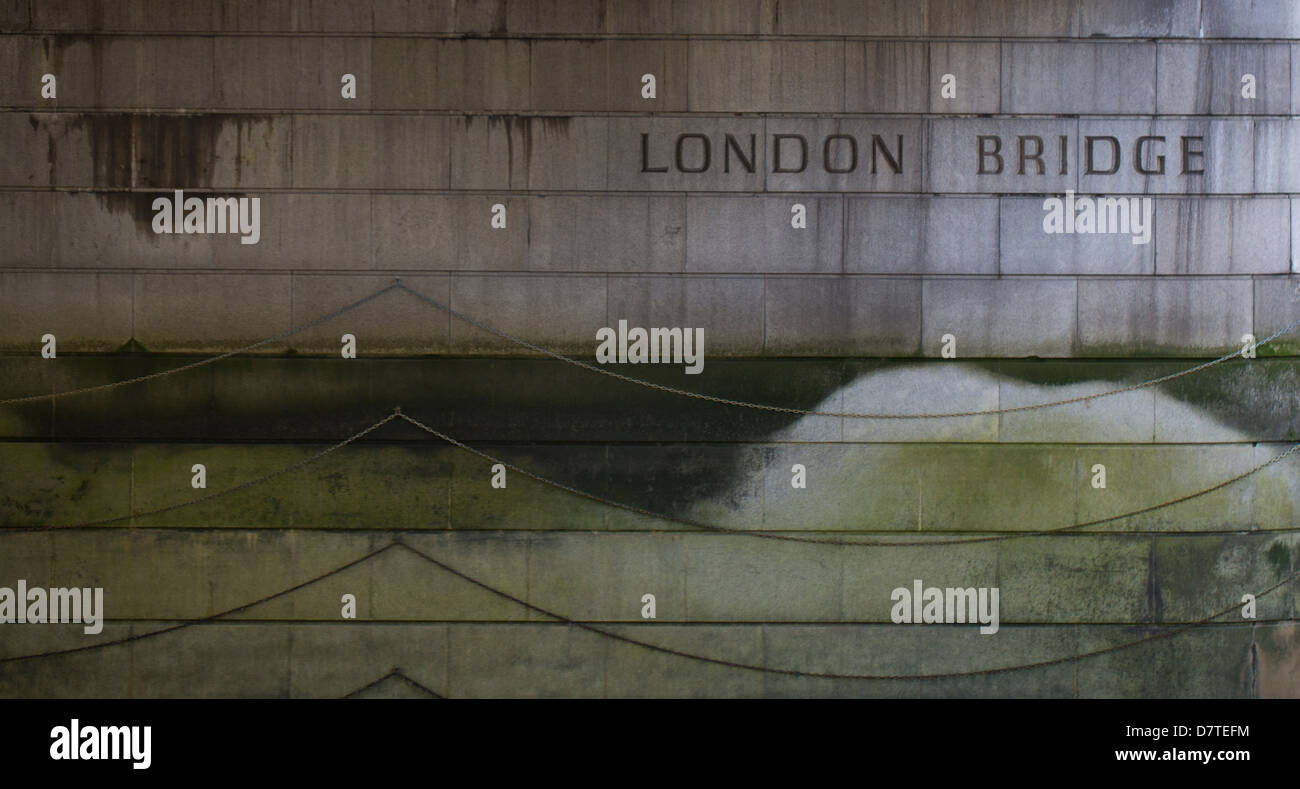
{"points": [[521, 127], [130, 151], [54, 50], [586, 431], [1279, 558]]}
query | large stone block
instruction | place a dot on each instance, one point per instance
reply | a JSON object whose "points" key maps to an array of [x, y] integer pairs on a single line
{"points": [[566, 153], [330, 662], [609, 233], [84, 311], [556, 16], [1206, 79], [630, 60], [87, 674], [28, 221], [1078, 78], [842, 316], [558, 312], [877, 18], [407, 586], [374, 151], [527, 504], [490, 151], [31, 159], [756, 234], [734, 17], [1081, 578], [885, 76], [1277, 305], [766, 76], [1026, 247], [130, 72], [1222, 236], [467, 74], [919, 388], [923, 235], [604, 576], [976, 67], [1261, 19], [1145, 662], [1201, 575], [394, 323], [295, 72], [1119, 418], [1183, 317], [534, 660], [1136, 19], [26, 59], [451, 232], [637, 671], [1141, 477], [305, 231], [598, 75], [209, 312], [729, 309], [1277, 146], [1000, 317], [229, 661], [15, 15], [993, 18], [731, 577], [59, 485]]}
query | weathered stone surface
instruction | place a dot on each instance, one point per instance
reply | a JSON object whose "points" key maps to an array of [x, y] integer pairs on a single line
{"points": [[1082, 78], [859, 316], [1178, 316], [1207, 79], [1222, 236], [927, 235], [1002, 317], [757, 234], [762, 76], [1026, 247], [84, 311]]}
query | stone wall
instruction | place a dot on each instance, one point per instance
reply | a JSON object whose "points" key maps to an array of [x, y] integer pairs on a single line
{"points": [[674, 210]]}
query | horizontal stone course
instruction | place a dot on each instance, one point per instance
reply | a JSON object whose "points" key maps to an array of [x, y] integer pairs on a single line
{"points": [[1089, 580], [987, 18], [582, 75], [317, 151], [546, 659]]}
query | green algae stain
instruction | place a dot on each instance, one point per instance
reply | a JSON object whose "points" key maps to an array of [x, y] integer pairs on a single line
{"points": [[1279, 558]]}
